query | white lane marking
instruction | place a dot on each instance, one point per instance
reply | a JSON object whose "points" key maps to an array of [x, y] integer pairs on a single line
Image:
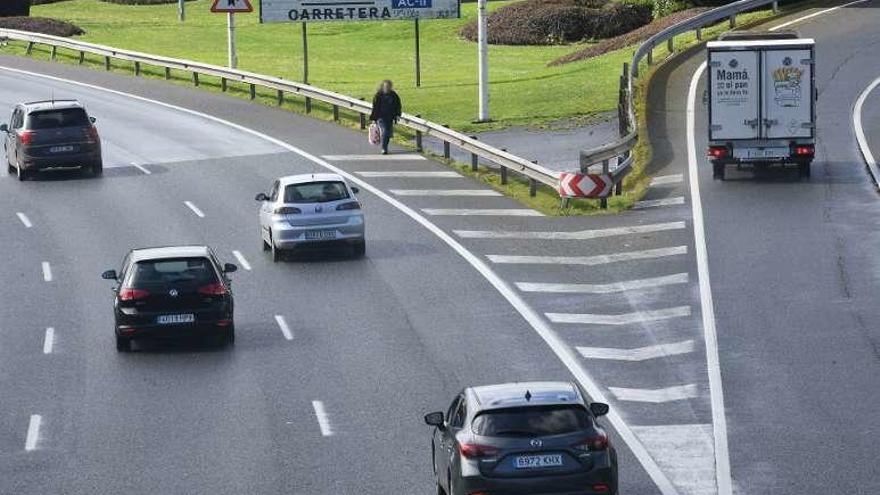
{"points": [[570, 236], [323, 419], [194, 208], [600, 259], [707, 305], [655, 203], [285, 330], [445, 192], [814, 14], [639, 353], [33, 432], [621, 319], [644, 283], [485, 212], [24, 220], [860, 131], [374, 158], [47, 271], [241, 260], [141, 168], [662, 180], [563, 351], [685, 454], [655, 395], [412, 174], [49, 341]]}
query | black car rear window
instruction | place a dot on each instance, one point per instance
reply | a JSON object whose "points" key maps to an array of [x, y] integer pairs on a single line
{"points": [[315, 192], [64, 117], [532, 421], [178, 271]]}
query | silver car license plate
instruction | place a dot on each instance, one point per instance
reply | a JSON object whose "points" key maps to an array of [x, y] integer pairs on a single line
{"points": [[60, 149], [176, 319], [538, 461], [320, 235]]}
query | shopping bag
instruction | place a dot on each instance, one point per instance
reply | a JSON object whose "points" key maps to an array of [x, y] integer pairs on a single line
{"points": [[375, 135]]}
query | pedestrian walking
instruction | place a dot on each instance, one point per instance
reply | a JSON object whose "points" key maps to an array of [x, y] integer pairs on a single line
{"points": [[386, 111]]}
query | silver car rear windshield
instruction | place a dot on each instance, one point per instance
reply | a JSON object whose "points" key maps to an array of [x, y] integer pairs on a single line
{"points": [[51, 119], [177, 271], [315, 192], [532, 421]]}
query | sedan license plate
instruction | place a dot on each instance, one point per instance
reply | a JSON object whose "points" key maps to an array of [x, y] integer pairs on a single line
{"points": [[60, 149], [320, 235], [538, 461], [175, 319]]}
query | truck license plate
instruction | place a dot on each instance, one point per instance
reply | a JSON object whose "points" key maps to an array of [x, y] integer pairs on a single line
{"points": [[767, 153]]}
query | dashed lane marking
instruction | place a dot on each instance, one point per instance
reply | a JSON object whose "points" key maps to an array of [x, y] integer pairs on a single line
{"points": [[49, 341], [194, 208], [655, 395], [639, 353], [645, 283], [47, 271], [620, 319], [323, 418], [581, 235], [285, 329], [241, 260], [413, 175], [33, 432], [656, 203], [374, 158], [446, 192], [485, 212], [24, 220], [141, 168], [600, 259]]}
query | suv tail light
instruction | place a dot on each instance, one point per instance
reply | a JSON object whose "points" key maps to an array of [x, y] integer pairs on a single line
{"points": [[26, 137], [131, 294], [804, 150], [476, 451], [716, 152], [351, 205], [217, 289], [596, 443], [92, 134], [287, 210]]}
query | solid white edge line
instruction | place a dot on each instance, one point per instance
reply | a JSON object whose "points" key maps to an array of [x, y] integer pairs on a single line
{"points": [[285, 330], [565, 353], [24, 220], [49, 341], [33, 432], [194, 208], [141, 168], [241, 260], [860, 131], [814, 14], [723, 478], [323, 419], [47, 271]]}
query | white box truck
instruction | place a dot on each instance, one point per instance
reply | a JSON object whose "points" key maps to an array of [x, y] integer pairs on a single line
{"points": [[761, 98]]}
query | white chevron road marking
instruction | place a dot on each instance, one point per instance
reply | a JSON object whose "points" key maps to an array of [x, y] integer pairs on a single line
{"points": [[600, 259], [655, 396], [485, 212], [645, 283], [446, 192], [655, 203], [685, 452], [570, 236], [662, 180], [413, 174], [620, 319], [373, 158], [639, 353]]}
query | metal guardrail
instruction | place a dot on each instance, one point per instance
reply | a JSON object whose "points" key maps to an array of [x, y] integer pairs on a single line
{"points": [[621, 148], [478, 150]]}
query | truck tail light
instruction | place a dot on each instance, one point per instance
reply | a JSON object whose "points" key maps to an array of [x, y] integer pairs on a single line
{"points": [[476, 451], [26, 137], [131, 294], [717, 152], [804, 150], [287, 210]]}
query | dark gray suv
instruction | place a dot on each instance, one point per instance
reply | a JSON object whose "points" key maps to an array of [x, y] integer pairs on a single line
{"points": [[51, 134], [522, 438]]}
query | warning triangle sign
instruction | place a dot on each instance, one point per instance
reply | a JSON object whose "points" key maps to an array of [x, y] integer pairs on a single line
{"points": [[232, 6]]}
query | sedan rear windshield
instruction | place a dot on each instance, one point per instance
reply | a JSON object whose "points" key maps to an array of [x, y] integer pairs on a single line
{"points": [[177, 271], [532, 421], [315, 192], [51, 119]]}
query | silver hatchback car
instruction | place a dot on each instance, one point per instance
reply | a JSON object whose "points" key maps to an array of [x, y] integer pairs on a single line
{"points": [[311, 209]]}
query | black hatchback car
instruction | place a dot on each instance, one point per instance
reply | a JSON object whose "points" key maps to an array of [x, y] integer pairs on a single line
{"points": [[522, 438], [51, 134], [169, 292]]}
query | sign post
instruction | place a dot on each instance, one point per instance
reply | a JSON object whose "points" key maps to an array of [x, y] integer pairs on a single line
{"points": [[181, 10], [483, 59], [418, 57], [230, 7]]}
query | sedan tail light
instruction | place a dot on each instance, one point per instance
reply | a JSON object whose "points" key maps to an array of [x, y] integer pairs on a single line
{"points": [[287, 210], [217, 289], [27, 137], [716, 152], [351, 205], [596, 443], [476, 451], [131, 294]]}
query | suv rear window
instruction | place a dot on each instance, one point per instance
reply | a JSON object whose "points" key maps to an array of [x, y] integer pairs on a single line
{"points": [[315, 192], [51, 119], [532, 421], [184, 271]]}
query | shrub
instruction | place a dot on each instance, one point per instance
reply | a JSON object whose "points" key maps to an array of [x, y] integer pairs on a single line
{"points": [[41, 25], [544, 22]]}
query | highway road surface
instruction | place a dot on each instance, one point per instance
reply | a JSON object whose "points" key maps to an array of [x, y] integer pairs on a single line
{"points": [[760, 380]]}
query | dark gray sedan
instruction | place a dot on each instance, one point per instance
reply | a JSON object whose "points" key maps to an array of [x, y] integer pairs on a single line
{"points": [[52, 134], [522, 438]]}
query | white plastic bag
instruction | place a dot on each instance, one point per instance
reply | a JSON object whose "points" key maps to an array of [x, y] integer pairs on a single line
{"points": [[375, 135]]}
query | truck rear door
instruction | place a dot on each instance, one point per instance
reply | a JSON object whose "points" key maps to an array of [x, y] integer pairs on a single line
{"points": [[788, 93], [735, 100]]}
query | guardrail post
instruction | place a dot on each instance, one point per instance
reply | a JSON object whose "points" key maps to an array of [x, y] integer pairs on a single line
{"points": [[196, 78], [504, 171], [223, 84], [335, 113], [82, 57], [670, 45], [253, 91], [732, 21], [533, 184], [419, 137], [475, 160], [137, 68], [363, 118], [650, 56], [106, 63], [308, 105], [54, 51], [29, 48], [167, 73], [699, 34], [280, 98], [446, 150], [603, 202]]}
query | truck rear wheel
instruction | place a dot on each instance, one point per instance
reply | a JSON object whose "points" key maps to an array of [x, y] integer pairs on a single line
{"points": [[718, 170]]}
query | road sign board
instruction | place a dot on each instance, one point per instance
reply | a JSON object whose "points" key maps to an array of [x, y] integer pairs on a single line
{"points": [[585, 185], [356, 10], [233, 6]]}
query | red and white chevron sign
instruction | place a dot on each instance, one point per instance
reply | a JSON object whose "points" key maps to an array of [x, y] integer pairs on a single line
{"points": [[585, 185]]}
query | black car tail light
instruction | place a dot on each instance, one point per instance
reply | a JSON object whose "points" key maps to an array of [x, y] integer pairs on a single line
{"points": [[351, 205], [287, 210], [476, 451], [132, 294], [217, 289]]}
